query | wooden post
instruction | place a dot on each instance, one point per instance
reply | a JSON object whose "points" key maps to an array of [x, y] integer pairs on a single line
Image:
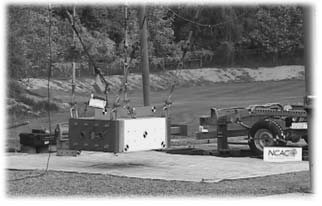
{"points": [[145, 57], [200, 65], [163, 64], [73, 64], [50, 65], [308, 82]]}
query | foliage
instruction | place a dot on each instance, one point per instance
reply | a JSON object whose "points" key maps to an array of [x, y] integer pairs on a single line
{"points": [[27, 39], [277, 29], [161, 32], [272, 30]]}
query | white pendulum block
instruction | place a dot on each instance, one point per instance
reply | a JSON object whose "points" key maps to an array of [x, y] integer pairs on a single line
{"points": [[143, 133]]}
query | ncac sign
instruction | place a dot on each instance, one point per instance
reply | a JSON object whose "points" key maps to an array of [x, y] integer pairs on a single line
{"points": [[282, 154]]}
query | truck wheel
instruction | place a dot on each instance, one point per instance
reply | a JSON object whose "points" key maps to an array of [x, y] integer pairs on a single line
{"points": [[263, 134]]}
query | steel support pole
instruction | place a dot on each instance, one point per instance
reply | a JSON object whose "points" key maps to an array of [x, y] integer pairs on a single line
{"points": [[145, 57], [308, 84]]}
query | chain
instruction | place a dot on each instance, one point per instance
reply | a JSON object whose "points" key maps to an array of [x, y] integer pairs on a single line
{"points": [[126, 65]]}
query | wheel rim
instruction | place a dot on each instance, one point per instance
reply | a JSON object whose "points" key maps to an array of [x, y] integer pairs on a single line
{"points": [[263, 138]]}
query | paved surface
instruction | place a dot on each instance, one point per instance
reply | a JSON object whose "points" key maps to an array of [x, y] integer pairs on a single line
{"points": [[156, 165]]}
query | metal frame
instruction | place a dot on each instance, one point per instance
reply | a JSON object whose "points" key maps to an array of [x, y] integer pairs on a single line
{"points": [[231, 122]]}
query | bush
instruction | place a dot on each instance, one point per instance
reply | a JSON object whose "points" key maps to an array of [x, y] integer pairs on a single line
{"points": [[16, 92], [14, 89], [38, 105]]}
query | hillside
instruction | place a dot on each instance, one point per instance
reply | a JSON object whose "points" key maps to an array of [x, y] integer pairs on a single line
{"points": [[163, 81], [35, 89]]}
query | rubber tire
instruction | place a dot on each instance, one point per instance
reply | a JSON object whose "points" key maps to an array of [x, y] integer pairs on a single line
{"points": [[269, 125]]}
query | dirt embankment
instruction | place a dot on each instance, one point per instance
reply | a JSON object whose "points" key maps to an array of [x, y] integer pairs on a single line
{"points": [[61, 89], [163, 80]]}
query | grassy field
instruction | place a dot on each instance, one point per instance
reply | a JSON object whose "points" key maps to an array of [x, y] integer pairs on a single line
{"points": [[91, 185]]}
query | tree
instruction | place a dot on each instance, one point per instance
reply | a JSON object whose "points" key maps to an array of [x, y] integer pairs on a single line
{"points": [[277, 30], [161, 32], [28, 40], [274, 30]]}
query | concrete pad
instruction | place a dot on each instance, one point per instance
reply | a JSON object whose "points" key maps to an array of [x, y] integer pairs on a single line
{"points": [[156, 165]]}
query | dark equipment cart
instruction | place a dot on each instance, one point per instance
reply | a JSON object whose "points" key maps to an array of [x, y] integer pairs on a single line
{"points": [[264, 125]]}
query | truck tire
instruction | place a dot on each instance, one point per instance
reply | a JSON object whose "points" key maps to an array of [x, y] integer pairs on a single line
{"points": [[264, 134]]}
